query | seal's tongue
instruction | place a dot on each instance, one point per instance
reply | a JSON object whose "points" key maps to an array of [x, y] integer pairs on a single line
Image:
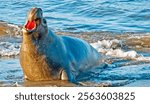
{"points": [[30, 25]]}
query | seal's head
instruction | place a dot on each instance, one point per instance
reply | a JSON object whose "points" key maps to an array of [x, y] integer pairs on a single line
{"points": [[36, 24]]}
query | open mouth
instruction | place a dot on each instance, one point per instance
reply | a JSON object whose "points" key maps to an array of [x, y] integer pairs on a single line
{"points": [[30, 25]]}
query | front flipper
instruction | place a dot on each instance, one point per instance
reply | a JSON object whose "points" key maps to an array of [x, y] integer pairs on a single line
{"points": [[63, 75]]}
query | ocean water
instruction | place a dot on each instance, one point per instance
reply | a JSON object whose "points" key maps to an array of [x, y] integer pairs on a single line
{"points": [[118, 29], [83, 15]]}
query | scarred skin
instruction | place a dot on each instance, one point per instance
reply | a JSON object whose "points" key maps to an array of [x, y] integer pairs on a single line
{"points": [[47, 56]]}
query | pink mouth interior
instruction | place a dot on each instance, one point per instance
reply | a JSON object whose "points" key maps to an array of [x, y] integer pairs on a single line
{"points": [[30, 25]]}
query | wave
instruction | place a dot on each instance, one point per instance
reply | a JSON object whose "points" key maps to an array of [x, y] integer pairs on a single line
{"points": [[9, 49], [126, 45], [107, 47], [9, 29]]}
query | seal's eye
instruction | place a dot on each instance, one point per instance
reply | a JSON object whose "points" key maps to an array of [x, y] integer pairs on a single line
{"points": [[44, 21]]}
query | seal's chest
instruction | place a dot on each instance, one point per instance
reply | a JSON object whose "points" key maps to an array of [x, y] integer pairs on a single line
{"points": [[35, 67]]}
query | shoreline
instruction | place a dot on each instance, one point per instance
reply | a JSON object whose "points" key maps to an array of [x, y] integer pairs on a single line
{"points": [[10, 34]]}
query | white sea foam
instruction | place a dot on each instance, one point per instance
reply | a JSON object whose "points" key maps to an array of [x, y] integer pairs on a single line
{"points": [[107, 44], [121, 53], [143, 59], [9, 49], [12, 25], [106, 47]]}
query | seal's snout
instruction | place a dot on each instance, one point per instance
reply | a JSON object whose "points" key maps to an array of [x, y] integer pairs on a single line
{"points": [[35, 13], [33, 19]]}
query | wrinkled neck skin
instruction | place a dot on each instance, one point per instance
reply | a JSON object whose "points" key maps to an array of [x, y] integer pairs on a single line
{"points": [[35, 43]]}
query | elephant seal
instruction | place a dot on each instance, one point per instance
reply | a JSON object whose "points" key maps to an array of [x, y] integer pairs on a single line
{"points": [[47, 56]]}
